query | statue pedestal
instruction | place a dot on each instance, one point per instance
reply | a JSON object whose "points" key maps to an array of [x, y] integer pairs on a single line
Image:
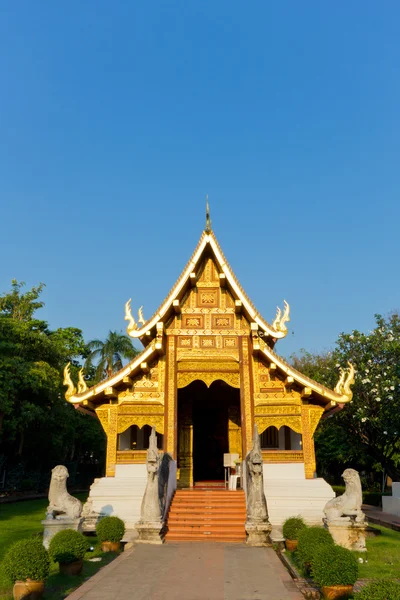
{"points": [[53, 526], [150, 532], [258, 533], [348, 533]]}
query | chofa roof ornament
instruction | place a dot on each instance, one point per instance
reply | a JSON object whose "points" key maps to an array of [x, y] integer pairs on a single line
{"points": [[346, 380], [133, 326], [282, 318]]}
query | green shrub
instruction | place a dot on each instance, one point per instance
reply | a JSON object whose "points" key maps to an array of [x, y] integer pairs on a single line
{"points": [[292, 527], [110, 529], [27, 559], [310, 540], [334, 565], [68, 546], [381, 589]]}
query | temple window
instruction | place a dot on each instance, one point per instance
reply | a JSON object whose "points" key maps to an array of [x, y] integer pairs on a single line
{"points": [[270, 438], [135, 438]]}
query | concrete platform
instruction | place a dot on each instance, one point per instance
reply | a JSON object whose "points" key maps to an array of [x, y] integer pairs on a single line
{"points": [[192, 571]]}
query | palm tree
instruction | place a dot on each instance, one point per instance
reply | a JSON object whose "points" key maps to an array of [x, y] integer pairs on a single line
{"points": [[109, 354]]}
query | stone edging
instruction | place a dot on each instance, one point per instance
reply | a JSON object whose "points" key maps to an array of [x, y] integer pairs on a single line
{"points": [[103, 572]]}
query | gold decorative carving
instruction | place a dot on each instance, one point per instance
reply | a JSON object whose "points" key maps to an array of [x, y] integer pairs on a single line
{"points": [[82, 385], [308, 442], [128, 408], [213, 365], [132, 325], [156, 421], [170, 442], [111, 457], [185, 342], [263, 422], [71, 391], [316, 413], [192, 321], [281, 319], [225, 322], [282, 456], [185, 378], [278, 410], [247, 400], [345, 382], [207, 297], [207, 342], [261, 399], [130, 457], [230, 342], [102, 414]]}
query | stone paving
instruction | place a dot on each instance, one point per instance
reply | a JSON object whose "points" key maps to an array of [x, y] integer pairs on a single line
{"points": [[192, 571]]}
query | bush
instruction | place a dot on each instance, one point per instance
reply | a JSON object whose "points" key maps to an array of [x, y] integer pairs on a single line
{"points": [[310, 540], [110, 529], [381, 589], [27, 559], [68, 546], [292, 527], [334, 565]]}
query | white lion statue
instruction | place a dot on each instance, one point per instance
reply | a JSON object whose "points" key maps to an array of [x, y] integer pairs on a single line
{"points": [[349, 504], [61, 504]]}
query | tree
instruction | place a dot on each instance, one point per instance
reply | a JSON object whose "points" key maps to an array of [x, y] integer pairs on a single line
{"points": [[37, 426], [367, 429], [109, 354]]}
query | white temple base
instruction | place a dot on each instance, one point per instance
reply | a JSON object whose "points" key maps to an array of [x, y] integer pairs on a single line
{"points": [[391, 504], [289, 493], [119, 496]]}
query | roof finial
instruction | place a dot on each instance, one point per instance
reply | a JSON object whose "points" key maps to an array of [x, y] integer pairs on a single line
{"points": [[208, 219]]}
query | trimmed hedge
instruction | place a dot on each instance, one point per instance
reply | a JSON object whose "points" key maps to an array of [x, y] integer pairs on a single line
{"points": [[334, 565], [380, 589], [110, 529], [292, 527], [27, 559], [310, 541], [68, 546]]}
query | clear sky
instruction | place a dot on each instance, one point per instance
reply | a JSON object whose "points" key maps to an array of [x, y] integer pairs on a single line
{"points": [[116, 119]]}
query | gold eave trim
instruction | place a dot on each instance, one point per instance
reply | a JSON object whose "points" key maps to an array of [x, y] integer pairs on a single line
{"points": [[322, 391], [208, 238], [117, 378]]}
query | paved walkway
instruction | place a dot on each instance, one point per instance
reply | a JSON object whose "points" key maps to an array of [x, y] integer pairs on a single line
{"points": [[192, 571], [376, 516]]}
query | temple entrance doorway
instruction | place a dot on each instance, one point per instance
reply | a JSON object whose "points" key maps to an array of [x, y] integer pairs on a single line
{"points": [[208, 426]]}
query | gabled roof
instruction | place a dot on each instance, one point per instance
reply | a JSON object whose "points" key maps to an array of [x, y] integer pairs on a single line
{"points": [[131, 369], [207, 241], [340, 395]]}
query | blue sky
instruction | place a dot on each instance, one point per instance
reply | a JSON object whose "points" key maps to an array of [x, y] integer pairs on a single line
{"points": [[116, 118]]}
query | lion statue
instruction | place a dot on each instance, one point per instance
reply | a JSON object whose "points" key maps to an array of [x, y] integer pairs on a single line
{"points": [[348, 505], [61, 504]]}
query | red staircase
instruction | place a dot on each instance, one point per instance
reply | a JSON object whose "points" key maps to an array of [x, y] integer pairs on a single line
{"points": [[207, 515]]}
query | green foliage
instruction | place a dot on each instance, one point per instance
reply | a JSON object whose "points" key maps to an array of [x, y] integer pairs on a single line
{"points": [[109, 354], [381, 589], [68, 546], [366, 433], [37, 427], [27, 559], [110, 529], [292, 527], [334, 565], [311, 541]]}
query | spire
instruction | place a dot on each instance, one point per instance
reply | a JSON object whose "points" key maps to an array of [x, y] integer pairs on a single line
{"points": [[208, 219]]}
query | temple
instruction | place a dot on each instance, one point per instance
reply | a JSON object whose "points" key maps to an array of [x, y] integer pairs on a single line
{"points": [[208, 372]]}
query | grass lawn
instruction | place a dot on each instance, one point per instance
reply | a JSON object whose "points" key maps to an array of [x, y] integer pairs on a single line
{"points": [[383, 555], [19, 520]]}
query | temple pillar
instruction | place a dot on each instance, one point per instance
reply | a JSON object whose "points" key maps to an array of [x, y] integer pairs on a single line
{"points": [[111, 432], [246, 395], [310, 416], [171, 396]]}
